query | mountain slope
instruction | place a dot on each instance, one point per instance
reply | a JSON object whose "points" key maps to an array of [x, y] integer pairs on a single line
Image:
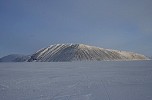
{"points": [[14, 58], [81, 52]]}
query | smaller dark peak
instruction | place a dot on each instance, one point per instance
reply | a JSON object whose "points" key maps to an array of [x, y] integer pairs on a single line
{"points": [[15, 58]]}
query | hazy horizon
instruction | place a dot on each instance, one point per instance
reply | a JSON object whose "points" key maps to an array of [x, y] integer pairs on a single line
{"points": [[27, 26]]}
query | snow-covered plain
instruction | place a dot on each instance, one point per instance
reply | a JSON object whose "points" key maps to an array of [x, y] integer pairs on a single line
{"points": [[106, 80]]}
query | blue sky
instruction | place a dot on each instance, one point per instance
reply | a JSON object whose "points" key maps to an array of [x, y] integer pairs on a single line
{"points": [[29, 25]]}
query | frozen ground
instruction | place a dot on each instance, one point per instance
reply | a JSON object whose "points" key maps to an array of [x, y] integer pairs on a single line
{"points": [[131, 80]]}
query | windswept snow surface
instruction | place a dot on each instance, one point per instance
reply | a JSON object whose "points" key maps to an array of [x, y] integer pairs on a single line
{"points": [[106, 80]]}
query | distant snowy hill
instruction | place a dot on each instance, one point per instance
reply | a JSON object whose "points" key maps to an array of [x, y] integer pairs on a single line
{"points": [[81, 52], [14, 58]]}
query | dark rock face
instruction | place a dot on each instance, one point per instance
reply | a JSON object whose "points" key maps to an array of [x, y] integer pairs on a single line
{"points": [[81, 52]]}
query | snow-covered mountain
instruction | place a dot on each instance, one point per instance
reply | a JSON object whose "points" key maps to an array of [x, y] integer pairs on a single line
{"points": [[14, 58], [81, 52]]}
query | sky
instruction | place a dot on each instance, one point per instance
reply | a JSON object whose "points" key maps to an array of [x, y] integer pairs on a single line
{"points": [[29, 25]]}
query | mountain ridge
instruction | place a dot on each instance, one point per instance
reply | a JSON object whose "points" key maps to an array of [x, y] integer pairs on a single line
{"points": [[81, 52], [15, 58], [74, 52]]}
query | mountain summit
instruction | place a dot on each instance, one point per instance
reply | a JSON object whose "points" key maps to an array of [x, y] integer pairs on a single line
{"points": [[81, 52]]}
